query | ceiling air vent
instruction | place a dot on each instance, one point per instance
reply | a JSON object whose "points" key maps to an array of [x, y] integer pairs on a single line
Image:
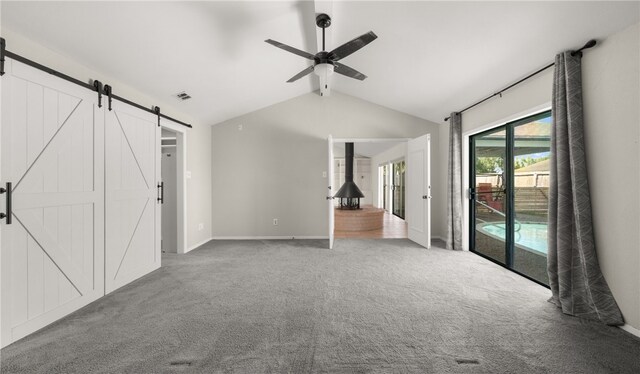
{"points": [[182, 96]]}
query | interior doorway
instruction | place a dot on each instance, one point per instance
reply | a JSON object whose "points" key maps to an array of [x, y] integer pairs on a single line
{"points": [[169, 237], [373, 173], [172, 188]]}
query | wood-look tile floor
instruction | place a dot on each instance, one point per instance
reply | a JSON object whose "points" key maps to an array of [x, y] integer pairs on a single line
{"points": [[393, 228]]}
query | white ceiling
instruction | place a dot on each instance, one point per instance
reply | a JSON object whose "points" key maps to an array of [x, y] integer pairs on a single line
{"points": [[430, 58]]}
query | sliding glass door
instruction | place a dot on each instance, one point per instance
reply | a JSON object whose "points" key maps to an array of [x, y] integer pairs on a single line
{"points": [[384, 177], [398, 188], [488, 206], [509, 184]]}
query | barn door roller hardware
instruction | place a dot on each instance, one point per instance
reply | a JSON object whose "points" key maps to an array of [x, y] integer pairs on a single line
{"points": [[156, 110], [105, 91], [8, 191], [98, 87], [109, 92]]}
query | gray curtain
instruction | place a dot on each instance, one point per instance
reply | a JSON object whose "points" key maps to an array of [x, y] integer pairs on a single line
{"points": [[454, 184], [576, 281]]}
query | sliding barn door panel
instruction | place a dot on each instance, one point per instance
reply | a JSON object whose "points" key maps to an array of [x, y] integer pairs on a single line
{"points": [[52, 151], [132, 209]]}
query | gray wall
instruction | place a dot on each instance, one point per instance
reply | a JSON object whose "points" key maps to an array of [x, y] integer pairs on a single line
{"points": [[611, 83], [273, 167]]}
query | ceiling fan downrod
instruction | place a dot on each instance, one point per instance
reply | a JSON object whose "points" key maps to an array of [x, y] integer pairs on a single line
{"points": [[323, 21]]}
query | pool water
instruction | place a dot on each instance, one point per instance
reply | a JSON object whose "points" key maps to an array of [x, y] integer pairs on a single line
{"points": [[531, 236]]}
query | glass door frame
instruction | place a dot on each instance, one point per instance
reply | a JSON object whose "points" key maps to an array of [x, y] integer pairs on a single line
{"points": [[384, 186], [400, 189], [509, 193]]}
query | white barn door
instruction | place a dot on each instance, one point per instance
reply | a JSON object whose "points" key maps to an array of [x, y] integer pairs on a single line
{"points": [[53, 251], [419, 190], [133, 211]]}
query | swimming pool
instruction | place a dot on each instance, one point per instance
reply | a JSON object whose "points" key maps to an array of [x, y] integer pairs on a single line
{"points": [[529, 236]]}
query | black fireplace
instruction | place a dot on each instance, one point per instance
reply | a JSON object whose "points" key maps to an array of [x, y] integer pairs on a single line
{"points": [[349, 194]]}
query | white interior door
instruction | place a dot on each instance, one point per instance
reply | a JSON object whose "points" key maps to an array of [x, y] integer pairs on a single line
{"points": [[132, 159], [330, 192], [53, 251], [418, 207]]}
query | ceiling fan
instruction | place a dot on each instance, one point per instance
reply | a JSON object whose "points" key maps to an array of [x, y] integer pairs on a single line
{"points": [[326, 63]]}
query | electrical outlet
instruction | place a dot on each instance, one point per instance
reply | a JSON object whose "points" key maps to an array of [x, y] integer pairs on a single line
{"points": [[275, 222], [200, 226], [240, 127], [324, 174]]}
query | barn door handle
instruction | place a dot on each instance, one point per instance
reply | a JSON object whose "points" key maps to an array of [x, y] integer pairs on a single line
{"points": [[161, 192], [8, 191]]}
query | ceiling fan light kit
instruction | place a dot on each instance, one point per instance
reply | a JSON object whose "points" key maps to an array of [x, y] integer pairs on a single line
{"points": [[325, 63], [324, 71]]}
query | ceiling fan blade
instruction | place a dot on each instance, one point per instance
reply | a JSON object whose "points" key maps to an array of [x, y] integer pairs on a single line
{"points": [[301, 74], [349, 72], [291, 49], [351, 46]]}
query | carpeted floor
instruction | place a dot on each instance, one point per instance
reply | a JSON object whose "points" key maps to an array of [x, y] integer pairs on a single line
{"points": [[368, 306]]}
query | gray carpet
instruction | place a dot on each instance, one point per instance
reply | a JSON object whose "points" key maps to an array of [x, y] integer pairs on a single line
{"points": [[385, 306]]}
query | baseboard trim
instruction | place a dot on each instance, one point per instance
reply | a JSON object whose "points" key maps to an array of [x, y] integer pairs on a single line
{"points": [[198, 245], [279, 237], [630, 329]]}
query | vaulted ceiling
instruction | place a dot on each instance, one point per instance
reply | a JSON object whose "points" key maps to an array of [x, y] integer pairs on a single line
{"points": [[430, 57]]}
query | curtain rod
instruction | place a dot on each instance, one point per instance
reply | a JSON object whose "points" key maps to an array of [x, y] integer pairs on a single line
{"points": [[5, 53], [591, 43]]}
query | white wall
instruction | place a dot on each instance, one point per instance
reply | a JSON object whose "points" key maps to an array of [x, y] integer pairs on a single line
{"points": [[611, 83], [198, 138], [273, 167]]}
